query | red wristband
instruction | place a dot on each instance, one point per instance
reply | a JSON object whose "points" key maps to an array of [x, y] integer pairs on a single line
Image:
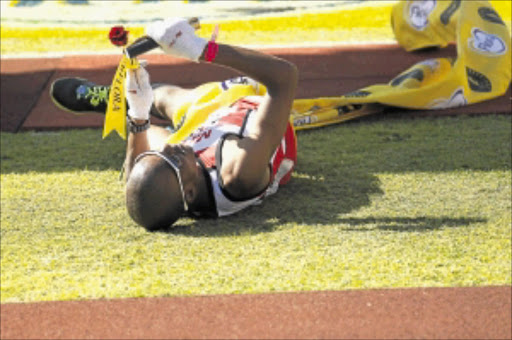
{"points": [[213, 48], [211, 52]]}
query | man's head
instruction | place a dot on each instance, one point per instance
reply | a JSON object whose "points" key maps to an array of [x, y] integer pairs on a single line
{"points": [[161, 186]]}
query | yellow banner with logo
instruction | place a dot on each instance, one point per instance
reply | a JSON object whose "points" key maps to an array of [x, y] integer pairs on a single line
{"points": [[481, 71]]}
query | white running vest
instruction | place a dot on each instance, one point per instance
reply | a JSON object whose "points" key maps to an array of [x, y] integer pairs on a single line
{"points": [[207, 142]]}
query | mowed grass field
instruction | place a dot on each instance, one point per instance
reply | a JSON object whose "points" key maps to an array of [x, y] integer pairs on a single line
{"points": [[382, 202], [379, 202]]}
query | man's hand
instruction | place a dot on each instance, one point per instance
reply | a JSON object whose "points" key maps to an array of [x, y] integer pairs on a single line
{"points": [[177, 37], [139, 93]]}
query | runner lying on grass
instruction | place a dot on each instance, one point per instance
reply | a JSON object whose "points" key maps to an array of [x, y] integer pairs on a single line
{"points": [[241, 153]]}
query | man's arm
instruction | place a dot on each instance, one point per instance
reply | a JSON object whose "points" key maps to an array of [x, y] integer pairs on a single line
{"points": [[245, 161], [137, 143], [139, 95]]}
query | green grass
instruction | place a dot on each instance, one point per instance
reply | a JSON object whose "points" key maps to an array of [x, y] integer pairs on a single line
{"points": [[382, 202]]}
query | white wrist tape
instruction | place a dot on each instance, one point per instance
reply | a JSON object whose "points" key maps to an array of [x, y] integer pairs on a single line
{"points": [[139, 93], [177, 37]]}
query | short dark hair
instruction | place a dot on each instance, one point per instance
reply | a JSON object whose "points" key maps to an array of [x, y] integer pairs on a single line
{"points": [[153, 198]]}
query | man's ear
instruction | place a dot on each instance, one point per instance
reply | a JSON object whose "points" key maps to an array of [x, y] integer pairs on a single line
{"points": [[190, 193]]}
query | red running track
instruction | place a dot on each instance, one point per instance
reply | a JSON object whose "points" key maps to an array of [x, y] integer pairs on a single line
{"points": [[324, 71], [426, 313]]}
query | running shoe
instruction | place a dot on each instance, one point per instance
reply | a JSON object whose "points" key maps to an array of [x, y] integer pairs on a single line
{"points": [[79, 95]]}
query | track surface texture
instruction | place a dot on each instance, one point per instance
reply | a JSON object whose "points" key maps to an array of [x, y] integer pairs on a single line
{"points": [[447, 313], [324, 72], [428, 313]]}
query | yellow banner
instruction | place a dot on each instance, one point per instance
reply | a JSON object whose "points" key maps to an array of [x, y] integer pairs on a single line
{"points": [[481, 71]]}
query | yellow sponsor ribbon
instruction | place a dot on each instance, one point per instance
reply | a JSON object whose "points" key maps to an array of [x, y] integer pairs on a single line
{"points": [[115, 117]]}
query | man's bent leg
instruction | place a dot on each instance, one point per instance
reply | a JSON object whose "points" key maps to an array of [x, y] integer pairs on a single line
{"points": [[157, 137], [168, 99]]}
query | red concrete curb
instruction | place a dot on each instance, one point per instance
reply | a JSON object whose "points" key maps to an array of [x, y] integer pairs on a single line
{"points": [[324, 71], [428, 313]]}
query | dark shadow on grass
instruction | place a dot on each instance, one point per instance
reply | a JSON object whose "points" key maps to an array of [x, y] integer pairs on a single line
{"points": [[406, 224], [311, 200], [337, 167]]}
